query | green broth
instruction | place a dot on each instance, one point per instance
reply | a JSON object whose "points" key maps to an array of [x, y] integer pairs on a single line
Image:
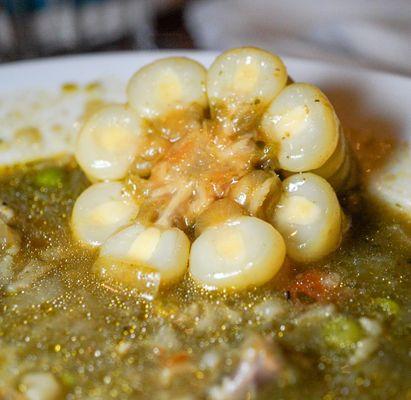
{"points": [[104, 342]]}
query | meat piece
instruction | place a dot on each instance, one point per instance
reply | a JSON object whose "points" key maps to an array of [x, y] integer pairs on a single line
{"points": [[260, 363], [176, 366], [10, 394], [6, 213], [31, 273], [40, 386], [8, 238], [197, 170], [9, 247]]}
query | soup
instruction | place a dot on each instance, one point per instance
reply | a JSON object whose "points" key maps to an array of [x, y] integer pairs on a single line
{"points": [[210, 239]]}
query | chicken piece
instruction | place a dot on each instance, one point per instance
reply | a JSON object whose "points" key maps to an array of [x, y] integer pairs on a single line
{"points": [[197, 170], [9, 247], [10, 394], [390, 184], [259, 364], [8, 238], [40, 386]]}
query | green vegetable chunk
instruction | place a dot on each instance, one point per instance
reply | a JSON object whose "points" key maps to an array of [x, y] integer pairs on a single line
{"points": [[51, 177], [342, 333], [68, 380], [388, 306]]}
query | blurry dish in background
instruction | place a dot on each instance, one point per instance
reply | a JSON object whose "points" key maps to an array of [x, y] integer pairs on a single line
{"points": [[38, 28], [353, 32]]}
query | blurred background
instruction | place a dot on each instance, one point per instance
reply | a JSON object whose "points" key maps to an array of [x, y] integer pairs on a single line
{"points": [[371, 33]]}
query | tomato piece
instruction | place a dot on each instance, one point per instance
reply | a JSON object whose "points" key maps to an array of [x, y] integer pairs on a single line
{"points": [[177, 359], [317, 285]]}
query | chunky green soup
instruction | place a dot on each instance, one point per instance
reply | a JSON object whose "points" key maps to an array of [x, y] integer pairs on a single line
{"points": [[206, 239], [335, 329]]}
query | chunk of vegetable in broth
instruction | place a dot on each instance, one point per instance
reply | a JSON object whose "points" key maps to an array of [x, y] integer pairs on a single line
{"points": [[309, 217], [302, 126], [108, 142], [164, 250], [244, 81], [166, 85], [101, 210], [389, 307], [342, 333], [49, 178], [235, 254]]}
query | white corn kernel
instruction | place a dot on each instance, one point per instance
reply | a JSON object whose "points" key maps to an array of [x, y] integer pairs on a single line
{"points": [[240, 252], [108, 142], [162, 250], [302, 126], [331, 166], [217, 212], [340, 177], [167, 85], [346, 176], [242, 82], [258, 192], [142, 280], [309, 217], [101, 210]]}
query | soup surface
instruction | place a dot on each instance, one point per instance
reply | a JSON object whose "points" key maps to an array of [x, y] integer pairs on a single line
{"points": [[331, 321], [335, 329]]}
